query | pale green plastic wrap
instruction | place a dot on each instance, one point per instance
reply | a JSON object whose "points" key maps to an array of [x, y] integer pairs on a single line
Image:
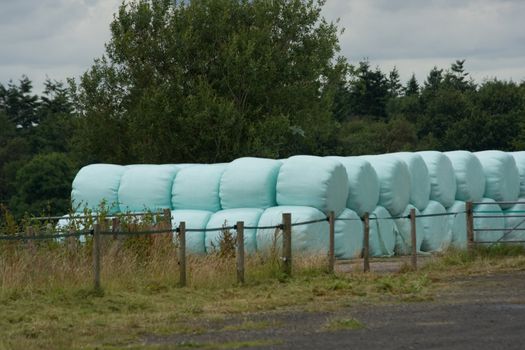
{"points": [[502, 179], [96, 183], [442, 177], [419, 178], [494, 224], [229, 217], [457, 224], [512, 222], [194, 219], [363, 184], [145, 186], [470, 179], [382, 233], [310, 238], [437, 235], [197, 187], [348, 235], [249, 183], [312, 181], [394, 182], [519, 158], [403, 232]]}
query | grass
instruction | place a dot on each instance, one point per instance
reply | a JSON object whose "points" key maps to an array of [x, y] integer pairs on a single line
{"points": [[47, 301], [343, 324]]}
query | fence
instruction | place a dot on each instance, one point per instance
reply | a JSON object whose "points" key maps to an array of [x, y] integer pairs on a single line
{"points": [[164, 226]]}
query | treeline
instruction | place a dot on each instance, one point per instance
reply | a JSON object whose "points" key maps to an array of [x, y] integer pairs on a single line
{"points": [[212, 81]]}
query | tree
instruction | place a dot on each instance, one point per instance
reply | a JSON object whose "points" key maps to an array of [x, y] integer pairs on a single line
{"points": [[207, 81], [43, 185], [395, 88], [412, 86]]}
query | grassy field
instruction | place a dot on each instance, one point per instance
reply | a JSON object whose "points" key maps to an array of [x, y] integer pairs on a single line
{"points": [[47, 302]]}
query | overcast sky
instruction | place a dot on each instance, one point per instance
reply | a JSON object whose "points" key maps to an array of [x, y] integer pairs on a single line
{"points": [[60, 38]]}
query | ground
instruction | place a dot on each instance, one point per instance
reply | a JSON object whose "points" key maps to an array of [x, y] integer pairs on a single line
{"points": [[454, 301], [486, 311]]}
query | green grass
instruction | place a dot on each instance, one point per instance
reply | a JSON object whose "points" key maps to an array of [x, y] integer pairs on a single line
{"points": [[47, 304], [343, 324]]}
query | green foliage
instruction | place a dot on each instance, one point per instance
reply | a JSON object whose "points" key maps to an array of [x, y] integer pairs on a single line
{"points": [[209, 81]]}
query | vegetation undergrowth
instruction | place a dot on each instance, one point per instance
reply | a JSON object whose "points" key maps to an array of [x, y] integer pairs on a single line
{"points": [[47, 299]]}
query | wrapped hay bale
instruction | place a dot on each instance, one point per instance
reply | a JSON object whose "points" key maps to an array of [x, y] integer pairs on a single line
{"points": [[197, 187], [146, 187], [437, 235], [494, 225], [97, 183], [394, 182], [514, 224], [470, 179], [229, 217], [382, 233], [312, 181], [348, 235], [363, 184], [249, 183], [194, 219], [442, 177], [457, 224], [309, 238], [403, 232], [419, 178], [502, 180], [519, 158]]}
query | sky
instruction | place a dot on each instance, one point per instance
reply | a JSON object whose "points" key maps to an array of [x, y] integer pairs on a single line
{"points": [[58, 39]]}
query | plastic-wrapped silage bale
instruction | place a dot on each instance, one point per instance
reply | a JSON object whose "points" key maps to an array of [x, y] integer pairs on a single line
{"points": [[519, 158], [348, 234], [312, 181], [403, 232], [70, 223], [495, 222], [193, 219], [437, 235], [249, 183], [502, 180], [382, 233], [363, 184], [197, 187], [514, 223], [394, 182], [457, 224], [309, 238], [146, 187], [442, 177], [229, 217], [96, 183], [470, 179], [419, 178]]}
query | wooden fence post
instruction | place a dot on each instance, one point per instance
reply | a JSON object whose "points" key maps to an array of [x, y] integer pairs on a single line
{"points": [[182, 254], [96, 255], [331, 251], [240, 252], [287, 244], [366, 248], [413, 237], [470, 225], [31, 243]]}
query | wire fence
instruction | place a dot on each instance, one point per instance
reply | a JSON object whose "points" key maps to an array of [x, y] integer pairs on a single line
{"points": [[163, 225]]}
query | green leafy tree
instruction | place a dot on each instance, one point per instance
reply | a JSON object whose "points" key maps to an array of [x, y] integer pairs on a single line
{"points": [[412, 86], [43, 185], [208, 81]]}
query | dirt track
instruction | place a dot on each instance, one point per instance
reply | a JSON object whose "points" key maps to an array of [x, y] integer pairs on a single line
{"points": [[485, 312]]}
